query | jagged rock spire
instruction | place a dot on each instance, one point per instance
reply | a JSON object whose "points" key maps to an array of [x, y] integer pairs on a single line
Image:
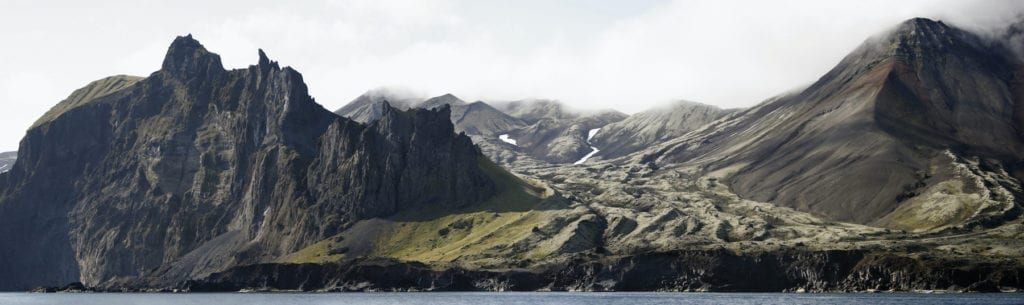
{"points": [[186, 57]]}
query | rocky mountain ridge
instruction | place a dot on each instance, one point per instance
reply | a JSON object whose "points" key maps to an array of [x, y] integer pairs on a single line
{"points": [[195, 169]]}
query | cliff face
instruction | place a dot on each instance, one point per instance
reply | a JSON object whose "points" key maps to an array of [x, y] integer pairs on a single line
{"points": [[195, 169]]}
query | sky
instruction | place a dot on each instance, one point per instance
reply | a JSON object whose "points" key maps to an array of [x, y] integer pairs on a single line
{"points": [[625, 55]]}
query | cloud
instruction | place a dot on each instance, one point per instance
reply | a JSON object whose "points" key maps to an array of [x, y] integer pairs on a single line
{"points": [[591, 54]]}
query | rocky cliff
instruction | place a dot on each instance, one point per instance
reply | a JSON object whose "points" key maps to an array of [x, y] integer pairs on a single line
{"points": [[195, 169]]}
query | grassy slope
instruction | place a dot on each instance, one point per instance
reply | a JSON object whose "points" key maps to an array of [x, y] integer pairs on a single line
{"points": [[92, 91], [437, 235]]}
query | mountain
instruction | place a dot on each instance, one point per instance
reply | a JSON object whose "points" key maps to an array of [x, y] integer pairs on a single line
{"points": [[553, 133], [7, 160], [479, 118], [196, 169], [370, 106], [534, 110], [476, 119], [438, 101], [651, 127], [917, 129], [543, 130], [562, 140], [898, 170]]}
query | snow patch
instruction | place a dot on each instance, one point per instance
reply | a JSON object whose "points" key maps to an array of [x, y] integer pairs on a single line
{"points": [[594, 150], [591, 154], [591, 133], [506, 139]]}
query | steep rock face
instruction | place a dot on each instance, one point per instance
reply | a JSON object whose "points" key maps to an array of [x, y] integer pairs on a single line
{"points": [[651, 127], [885, 125], [7, 160], [195, 169]]}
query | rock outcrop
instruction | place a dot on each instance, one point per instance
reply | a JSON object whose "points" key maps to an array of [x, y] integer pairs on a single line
{"points": [[196, 169]]}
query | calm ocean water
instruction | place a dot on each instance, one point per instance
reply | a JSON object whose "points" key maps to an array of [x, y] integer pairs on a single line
{"points": [[484, 298]]}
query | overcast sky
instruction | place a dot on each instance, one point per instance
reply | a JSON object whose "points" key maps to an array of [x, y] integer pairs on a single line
{"points": [[627, 55]]}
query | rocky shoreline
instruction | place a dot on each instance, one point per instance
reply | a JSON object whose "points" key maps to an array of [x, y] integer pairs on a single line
{"points": [[676, 271]]}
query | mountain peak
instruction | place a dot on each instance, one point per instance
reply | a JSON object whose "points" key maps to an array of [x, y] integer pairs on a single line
{"points": [[922, 36], [186, 56], [919, 23], [265, 63], [447, 99]]}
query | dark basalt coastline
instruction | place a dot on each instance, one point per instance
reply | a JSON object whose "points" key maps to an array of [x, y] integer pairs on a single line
{"points": [[679, 271]]}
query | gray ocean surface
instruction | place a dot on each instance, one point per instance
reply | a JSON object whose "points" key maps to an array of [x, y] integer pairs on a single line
{"points": [[486, 298]]}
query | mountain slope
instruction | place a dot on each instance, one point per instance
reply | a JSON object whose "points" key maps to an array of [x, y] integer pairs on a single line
{"points": [[480, 119], [476, 119], [370, 106], [903, 118], [535, 110], [92, 91], [196, 169], [553, 133], [652, 127]]}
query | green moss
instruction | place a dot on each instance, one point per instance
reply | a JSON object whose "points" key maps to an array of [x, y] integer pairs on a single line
{"points": [[316, 253], [440, 235], [942, 205], [90, 92]]}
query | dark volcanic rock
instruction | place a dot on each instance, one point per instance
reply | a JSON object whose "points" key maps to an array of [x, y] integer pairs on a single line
{"points": [[196, 169], [712, 270]]}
